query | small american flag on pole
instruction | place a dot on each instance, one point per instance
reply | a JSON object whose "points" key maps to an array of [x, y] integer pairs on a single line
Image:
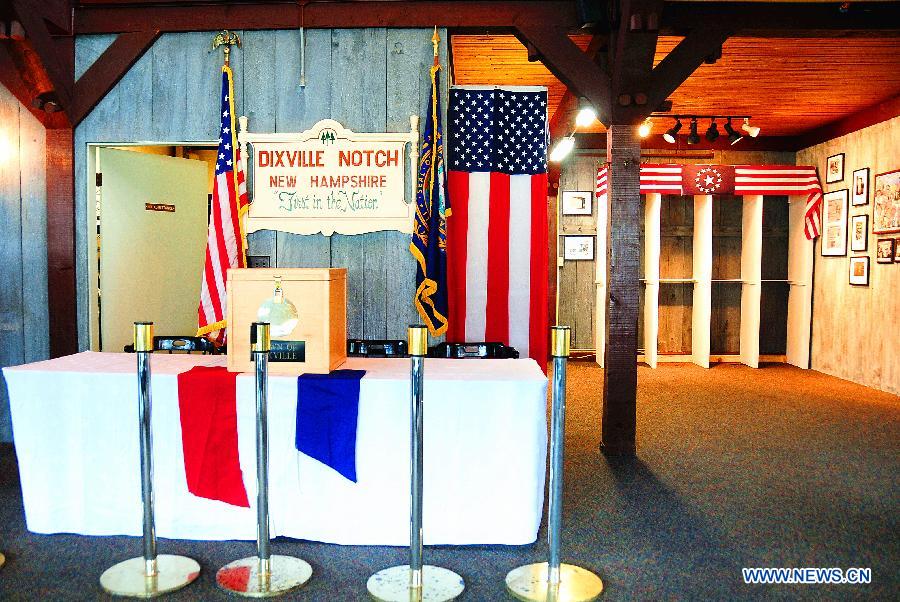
{"points": [[225, 247]]}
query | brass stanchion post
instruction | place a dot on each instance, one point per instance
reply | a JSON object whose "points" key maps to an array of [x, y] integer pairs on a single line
{"points": [[554, 581], [265, 574], [415, 582], [150, 575]]}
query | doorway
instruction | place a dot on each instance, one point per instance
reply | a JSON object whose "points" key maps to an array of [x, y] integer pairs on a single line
{"points": [[151, 213]]}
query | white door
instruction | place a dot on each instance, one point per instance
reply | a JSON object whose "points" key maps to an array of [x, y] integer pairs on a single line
{"points": [[153, 224]]}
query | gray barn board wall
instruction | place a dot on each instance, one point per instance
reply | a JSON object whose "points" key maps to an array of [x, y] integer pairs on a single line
{"points": [[24, 333], [367, 79]]}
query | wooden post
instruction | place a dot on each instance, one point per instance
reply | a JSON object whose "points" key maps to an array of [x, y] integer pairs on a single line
{"points": [[61, 243], [623, 149]]}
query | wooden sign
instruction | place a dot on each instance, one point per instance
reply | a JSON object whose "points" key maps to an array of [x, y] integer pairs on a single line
{"points": [[330, 179]]}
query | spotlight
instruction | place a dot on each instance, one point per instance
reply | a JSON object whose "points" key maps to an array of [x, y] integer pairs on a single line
{"points": [[644, 128], [713, 132], [586, 114], [669, 136], [733, 137], [693, 137], [562, 149], [752, 131]]}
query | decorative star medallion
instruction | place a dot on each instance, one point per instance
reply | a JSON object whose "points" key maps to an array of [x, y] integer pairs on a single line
{"points": [[708, 180]]}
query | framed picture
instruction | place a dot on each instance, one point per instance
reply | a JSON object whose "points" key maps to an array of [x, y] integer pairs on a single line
{"points": [[859, 193], [577, 202], [897, 250], [886, 210], [859, 271], [834, 168], [884, 250], [859, 232], [834, 224], [578, 248]]}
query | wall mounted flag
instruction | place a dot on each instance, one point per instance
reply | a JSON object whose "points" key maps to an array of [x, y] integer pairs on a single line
{"points": [[429, 238], [225, 244], [497, 243]]}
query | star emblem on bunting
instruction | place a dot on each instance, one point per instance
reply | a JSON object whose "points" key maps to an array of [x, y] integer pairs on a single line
{"points": [[708, 180]]}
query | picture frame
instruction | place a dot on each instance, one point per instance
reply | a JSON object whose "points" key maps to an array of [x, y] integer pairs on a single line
{"points": [[834, 223], [834, 168], [578, 248], [886, 202], [859, 233], [859, 271], [859, 187], [897, 250], [577, 202], [885, 250]]}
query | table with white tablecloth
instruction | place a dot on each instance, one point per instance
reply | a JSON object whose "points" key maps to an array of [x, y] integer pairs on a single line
{"points": [[75, 427]]}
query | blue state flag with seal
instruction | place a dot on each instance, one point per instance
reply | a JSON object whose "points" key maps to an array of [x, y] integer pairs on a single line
{"points": [[429, 239]]}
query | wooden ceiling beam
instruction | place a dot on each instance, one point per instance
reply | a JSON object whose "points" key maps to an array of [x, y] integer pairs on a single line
{"points": [[165, 17], [108, 69], [562, 119], [785, 19], [58, 68], [684, 59], [569, 64], [632, 50], [25, 83]]}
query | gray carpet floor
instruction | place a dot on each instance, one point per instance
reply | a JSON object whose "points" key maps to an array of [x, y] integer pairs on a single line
{"points": [[736, 468]]}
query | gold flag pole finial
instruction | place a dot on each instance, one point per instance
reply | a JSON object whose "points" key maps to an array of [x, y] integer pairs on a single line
{"points": [[227, 39], [435, 41]]}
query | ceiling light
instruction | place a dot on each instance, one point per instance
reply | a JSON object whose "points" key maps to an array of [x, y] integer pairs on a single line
{"points": [[562, 149], [752, 131], [733, 137], [670, 134], [644, 128], [693, 137], [586, 114], [713, 132]]}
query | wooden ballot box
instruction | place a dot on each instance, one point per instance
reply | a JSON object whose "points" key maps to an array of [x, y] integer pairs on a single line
{"points": [[307, 310]]}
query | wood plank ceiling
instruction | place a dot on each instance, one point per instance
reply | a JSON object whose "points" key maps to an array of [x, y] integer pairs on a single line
{"points": [[790, 86]]}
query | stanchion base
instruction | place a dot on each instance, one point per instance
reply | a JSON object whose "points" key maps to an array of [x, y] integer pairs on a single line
{"points": [[392, 585], [242, 576], [576, 584], [128, 579], [2, 559]]}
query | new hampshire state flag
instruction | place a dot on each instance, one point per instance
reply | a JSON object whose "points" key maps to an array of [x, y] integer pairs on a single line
{"points": [[429, 239]]}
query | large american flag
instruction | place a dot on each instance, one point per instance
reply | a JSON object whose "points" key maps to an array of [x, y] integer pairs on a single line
{"points": [[225, 246], [497, 235], [747, 180]]}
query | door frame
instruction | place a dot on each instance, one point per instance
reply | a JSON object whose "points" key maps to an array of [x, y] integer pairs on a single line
{"points": [[91, 277]]}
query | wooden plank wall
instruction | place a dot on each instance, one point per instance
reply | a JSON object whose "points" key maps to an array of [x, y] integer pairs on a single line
{"points": [[854, 327], [676, 252], [24, 334], [577, 289], [368, 79], [773, 303], [725, 317]]}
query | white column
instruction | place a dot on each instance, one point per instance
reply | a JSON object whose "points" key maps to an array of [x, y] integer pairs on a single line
{"points": [[652, 206], [600, 280], [702, 305], [751, 275], [800, 274]]}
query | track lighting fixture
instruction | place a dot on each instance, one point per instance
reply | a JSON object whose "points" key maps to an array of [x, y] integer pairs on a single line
{"points": [[713, 132], [562, 149], [693, 137], [733, 136], [644, 128], [669, 136], [586, 114], [752, 131]]}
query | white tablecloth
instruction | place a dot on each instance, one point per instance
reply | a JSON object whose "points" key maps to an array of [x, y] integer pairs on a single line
{"points": [[76, 433]]}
